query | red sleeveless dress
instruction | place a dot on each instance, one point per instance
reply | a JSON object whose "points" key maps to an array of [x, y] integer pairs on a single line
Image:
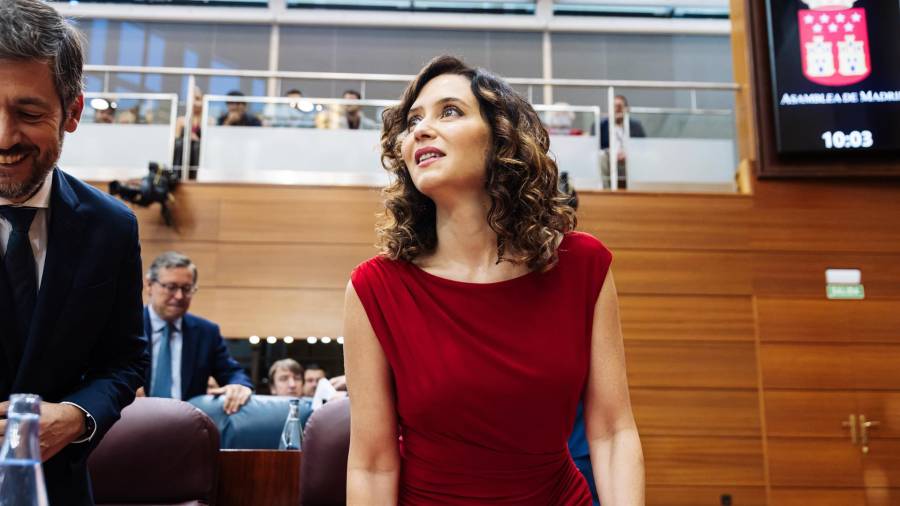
{"points": [[487, 376]]}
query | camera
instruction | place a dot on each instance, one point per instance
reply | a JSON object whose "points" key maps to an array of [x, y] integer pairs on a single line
{"points": [[568, 190], [155, 187]]}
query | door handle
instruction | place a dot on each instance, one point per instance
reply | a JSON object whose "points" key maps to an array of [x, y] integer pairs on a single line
{"points": [[864, 426], [851, 423]]}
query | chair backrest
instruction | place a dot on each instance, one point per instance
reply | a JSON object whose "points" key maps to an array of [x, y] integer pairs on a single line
{"points": [[326, 445], [256, 426], [161, 452]]}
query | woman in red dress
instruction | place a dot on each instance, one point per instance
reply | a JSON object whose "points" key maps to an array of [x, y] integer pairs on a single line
{"points": [[472, 337]]}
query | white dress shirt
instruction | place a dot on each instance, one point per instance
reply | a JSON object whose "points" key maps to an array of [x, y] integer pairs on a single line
{"points": [[175, 345], [620, 138], [37, 234]]}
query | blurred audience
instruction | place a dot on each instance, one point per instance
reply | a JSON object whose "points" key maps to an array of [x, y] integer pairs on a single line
{"points": [[286, 378], [297, 113], [185, 349], [237, 114], [353, 118], [128, 116]]}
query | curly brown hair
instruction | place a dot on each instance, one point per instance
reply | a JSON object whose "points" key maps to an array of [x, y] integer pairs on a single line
{"points": [[527, 212]]}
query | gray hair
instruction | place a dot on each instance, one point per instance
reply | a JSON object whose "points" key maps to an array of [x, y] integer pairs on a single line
{"points": [[32, 30], [170, 260]]}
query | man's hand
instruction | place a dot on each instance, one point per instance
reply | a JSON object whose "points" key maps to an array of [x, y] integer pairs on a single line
{"points": [[60, 425], [339, 383], [233, 118], [140, 392], [235, 397]]}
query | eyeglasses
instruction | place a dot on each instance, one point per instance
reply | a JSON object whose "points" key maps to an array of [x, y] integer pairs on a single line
{"points": [[172, 288]]}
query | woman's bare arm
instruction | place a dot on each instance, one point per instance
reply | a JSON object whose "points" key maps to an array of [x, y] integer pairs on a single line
{"points": [[373, 467], [616, 454]]}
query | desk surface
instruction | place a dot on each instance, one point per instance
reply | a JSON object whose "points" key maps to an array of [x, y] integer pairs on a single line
{"points": [[270, 477]]}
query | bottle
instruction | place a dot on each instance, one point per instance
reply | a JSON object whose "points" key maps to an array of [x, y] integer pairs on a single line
{"points": [[21, 475], [291, 435]]}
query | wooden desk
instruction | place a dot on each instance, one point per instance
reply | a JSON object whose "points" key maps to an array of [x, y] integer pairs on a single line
{"points": [[270, 477]]}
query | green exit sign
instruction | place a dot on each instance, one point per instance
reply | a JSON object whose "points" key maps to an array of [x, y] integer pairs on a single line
{"points": [[852, 292]]}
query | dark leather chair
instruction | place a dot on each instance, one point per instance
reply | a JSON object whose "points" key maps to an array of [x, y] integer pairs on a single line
{"points": [[257, 425], [326, 445], [162, 452]]}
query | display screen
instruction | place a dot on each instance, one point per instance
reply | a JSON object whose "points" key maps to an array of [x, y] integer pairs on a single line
{"points": [[835, 75]]}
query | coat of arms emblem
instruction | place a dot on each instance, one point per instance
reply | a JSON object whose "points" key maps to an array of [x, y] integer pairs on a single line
{"points": [[834, 42]]}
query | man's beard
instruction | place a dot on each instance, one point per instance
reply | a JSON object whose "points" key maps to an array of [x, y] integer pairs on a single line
{"points": [[40, 167]]}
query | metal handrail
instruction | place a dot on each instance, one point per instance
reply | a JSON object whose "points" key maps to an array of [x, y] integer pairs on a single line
{"points": [[131, 95], [680, 110], [288, 100], [402, 78]]}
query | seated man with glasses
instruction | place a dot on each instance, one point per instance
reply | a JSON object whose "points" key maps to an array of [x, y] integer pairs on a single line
{"points": [[185, 349]]}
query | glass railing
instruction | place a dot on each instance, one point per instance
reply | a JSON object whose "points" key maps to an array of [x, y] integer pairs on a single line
{"points": [[669, 149], [120, 133], [320, 141], [332, 141], [291, 141]]}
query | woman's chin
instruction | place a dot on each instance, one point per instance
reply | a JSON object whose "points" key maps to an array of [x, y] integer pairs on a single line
{"points": [[428, 183]]}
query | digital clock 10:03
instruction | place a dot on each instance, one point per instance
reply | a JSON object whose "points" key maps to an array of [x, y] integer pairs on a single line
{"points": [[852, 140]]}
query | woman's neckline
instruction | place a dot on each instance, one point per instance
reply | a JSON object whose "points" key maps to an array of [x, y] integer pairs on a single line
{"points": [[450, 281]]}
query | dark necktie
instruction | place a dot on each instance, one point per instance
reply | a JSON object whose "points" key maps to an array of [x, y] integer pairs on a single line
{"points": [[20, 266]]}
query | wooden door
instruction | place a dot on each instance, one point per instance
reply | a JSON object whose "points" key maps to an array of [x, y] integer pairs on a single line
{"points": [[821, 363]]}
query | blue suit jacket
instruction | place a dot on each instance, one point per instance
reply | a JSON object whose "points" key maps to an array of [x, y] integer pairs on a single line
{"points": [[86, 344], [203, 354]]}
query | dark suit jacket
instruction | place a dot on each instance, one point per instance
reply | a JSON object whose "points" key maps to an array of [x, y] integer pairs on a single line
{"points": [[86, 344], [636, 129], [203, 354]]}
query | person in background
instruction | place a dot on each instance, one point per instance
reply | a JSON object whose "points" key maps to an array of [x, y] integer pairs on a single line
{"points": [[185, 349], [311, 377], [286, 378], [106, 115], [70, 270], [196, 118], [297, 113], [128, 116], [353, 118], [237, 114], [635, 129]]}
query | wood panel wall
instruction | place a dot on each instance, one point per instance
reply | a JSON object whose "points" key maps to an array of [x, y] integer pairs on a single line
{"points": [[820, 361], [741, 372]]}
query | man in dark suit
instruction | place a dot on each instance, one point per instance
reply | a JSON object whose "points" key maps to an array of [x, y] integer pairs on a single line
{"points": [[70, 279], [185, 349], [635, 129]]}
